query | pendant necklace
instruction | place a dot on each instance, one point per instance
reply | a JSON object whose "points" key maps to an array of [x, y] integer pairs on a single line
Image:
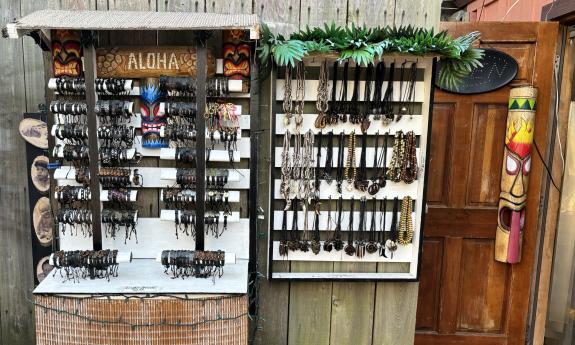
{"points": [[334, 106], [360, 243], [283, 248], [328, 245], [361, 183], [344, 107], [354, 116], [338, 243], [322, 97], [340, 163], [371, 246], [388, 98], [318, 165], [397, 157], [376, 102], [391, 243], [350, 168], [287, 103], [407, 94], [365, 122], [286, 170], [293, 243], [299, 95], [381, 236], [315, 244], [328, 159], [349, 248]]}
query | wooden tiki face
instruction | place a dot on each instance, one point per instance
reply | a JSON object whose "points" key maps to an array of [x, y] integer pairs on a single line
{"points": [[236, 55], [515, 174], [67, 53], [152, 120]]}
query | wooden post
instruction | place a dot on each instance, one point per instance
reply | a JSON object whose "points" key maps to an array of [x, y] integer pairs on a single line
{"points": [[201, 142]]}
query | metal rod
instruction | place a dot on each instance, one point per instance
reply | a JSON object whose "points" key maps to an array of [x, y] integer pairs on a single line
{"points": [[91, 99], [200, 144]]}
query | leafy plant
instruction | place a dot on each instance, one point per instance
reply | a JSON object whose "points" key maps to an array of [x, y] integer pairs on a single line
{"points": [[362, 45]]}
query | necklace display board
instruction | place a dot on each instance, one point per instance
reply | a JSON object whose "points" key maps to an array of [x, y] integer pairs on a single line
{"points": [[114, 109], [350, 165]]}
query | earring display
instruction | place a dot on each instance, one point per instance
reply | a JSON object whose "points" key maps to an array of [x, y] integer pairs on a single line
{"points": [[371, 135]]}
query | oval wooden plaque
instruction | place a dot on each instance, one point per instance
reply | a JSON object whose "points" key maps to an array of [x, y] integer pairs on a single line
{"points": [[40, 174], [42, 218], [43, 268], [34, 132]]}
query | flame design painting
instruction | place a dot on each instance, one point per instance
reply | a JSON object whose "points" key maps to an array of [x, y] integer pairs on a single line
{"points": [[520, 136]]}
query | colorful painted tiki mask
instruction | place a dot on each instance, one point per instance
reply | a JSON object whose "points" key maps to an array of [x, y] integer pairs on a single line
{"points": [[515, 174], [67, 53], [236, 55], [152, 120]]}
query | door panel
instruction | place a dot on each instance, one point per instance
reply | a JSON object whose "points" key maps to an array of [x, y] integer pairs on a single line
{"points": [[465, 296]]}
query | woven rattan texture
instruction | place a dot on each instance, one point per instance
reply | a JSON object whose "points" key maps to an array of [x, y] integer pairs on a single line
{"points": [[76, 325]]}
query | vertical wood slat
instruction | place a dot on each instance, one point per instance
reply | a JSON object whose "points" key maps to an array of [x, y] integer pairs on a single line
{"points": [[315, 12], [16, 278], [281, 16], [371, 12], [229, 6]]}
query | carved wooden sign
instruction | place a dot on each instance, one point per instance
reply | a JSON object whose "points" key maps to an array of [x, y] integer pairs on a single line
{"points": [[152, 61]]}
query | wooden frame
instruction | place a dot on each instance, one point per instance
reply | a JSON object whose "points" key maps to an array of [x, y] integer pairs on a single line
{"points": [[411, 253]]}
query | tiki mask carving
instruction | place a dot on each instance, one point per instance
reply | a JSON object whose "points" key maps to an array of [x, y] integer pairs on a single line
{"points": [[236, 55], [515, 174], [152, 120], [67, 53]]}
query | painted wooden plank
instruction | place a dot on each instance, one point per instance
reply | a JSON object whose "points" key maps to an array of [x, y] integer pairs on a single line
{"points": [[419, 13], [369, 156], [323, 219], [352, 308], [406, 123], [155, 235], [326, 191], [310, 306], [303, 276], [371, 12], [311, 89], [16, 275], [147, 276], [316, 13], [181, 6], [281, 16], [395, 307], [402, 254], [229, 6]]}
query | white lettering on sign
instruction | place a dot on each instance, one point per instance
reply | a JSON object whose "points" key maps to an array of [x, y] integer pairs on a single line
{"points": [[145, 61]]}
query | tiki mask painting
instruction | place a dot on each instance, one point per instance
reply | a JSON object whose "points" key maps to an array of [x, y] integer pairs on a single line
{"points": [[236, 55], [515, 174], [152, 121], [67, 53]]}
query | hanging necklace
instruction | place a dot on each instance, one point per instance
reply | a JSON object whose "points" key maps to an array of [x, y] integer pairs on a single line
{"points": [[367, 97], [361, 183], [387, 106], [350, 168], [354, 116], [382, 219], [409, 162], [328, 245], [349, 248], [407, 94], [343, 108], [340, 163], [334, 108], [286, 170], [328, 159], [371, 246], [299, 95], [360, 243], [318, 164], [394, 170], [283, 249], [322, 97], [391, 243], [306, 185], [293, 243], [338, 243], [315, 244], [405, 221], [287, 103], [376, 102], [374, 186]]}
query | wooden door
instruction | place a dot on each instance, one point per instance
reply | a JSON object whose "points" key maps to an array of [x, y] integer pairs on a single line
{"points": [[465, 296]]}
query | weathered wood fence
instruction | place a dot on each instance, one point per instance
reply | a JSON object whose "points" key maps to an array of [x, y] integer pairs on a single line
{"points": [[294, 313]]}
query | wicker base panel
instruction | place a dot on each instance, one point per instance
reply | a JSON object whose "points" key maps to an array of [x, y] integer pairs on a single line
{"points": [[159, 320]]}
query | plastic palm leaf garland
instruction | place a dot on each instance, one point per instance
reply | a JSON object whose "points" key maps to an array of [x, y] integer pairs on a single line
{"points": [[364, 45]]}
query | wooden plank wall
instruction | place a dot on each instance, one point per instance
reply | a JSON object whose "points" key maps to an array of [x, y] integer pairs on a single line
{"points": [[294, 313]]}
